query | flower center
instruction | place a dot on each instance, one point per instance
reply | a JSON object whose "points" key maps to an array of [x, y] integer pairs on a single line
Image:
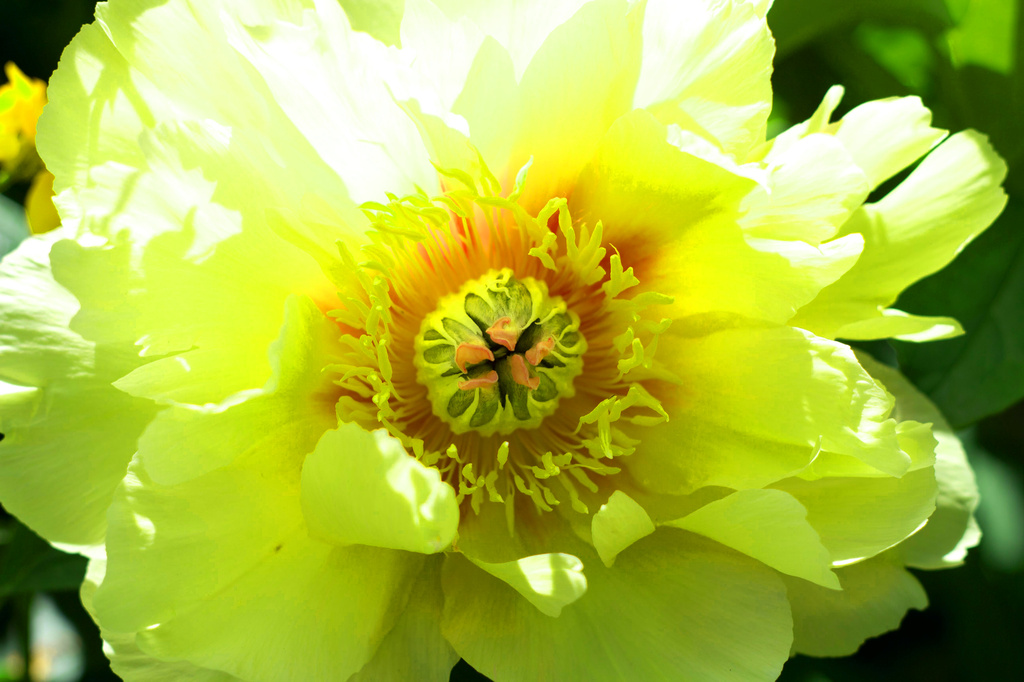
{"points": [[498, 354], [467, 323]]}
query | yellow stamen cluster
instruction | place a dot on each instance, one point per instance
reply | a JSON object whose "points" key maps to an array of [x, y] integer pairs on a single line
{"points": [[423, 351]]}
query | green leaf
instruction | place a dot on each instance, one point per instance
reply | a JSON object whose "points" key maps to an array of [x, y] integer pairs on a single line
{"points": [[13, 227], [903, 52], [1001, 513], [29, 564], [983, 93], [798, 22], [984, 33], [981, 372]]}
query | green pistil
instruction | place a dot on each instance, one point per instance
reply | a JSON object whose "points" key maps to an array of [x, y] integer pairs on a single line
{"points": [[498, 354]]}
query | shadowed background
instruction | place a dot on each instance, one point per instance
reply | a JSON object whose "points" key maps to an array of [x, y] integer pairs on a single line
{"points": [[964, 58]]}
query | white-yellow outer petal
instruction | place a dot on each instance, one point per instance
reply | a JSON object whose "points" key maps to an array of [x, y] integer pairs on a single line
{"points": [[618, 524], [769, 526], [912, 232], [363, 488], [707, 66], [548, 581]]}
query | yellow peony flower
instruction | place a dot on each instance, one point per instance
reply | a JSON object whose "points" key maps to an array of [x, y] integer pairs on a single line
{"points": [[40, 213], [21, 102], [515, 343]]}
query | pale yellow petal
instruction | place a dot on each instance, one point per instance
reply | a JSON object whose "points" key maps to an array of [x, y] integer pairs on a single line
{"points": [[68, 434], [812, 188], [673, 214], [489, 102], [579, 81], [819, 122], [126, 659], [887, 135], [364, 488], [746, 424], [379, 18], [208, 570], [767, 525], [618, 524], [330, 81], [951, 530], [550, 582], [415, 649], [875, 596], [674, 606], [858, 518], [274, 426], [913, 231], [519, 26], [707, 66]]}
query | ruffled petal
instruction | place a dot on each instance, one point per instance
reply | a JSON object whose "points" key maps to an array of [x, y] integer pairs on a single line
{"points": [[674, 606], [882, 137], [548, 581], [951, 530], [126, 659], [875, 596], [191, 292], [893, 323], [519, 26], [580, 80], [915, 230], [637, 168], [37, 345], [441, 53], [811, 190], [707, 66], [746, 424], [767, 525], [672, 214], [68, 435], [380, 18], [119, 83], [331, 83], [618, 524], [861, 517], [489, 102], [93, 108], [207, 571], [860, 511], [362, 488], [775, 148], [415, 649], [887, 135], [275, 426]]}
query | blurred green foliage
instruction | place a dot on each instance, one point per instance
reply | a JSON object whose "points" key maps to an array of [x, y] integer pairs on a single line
{"points": [[965, 58], [13, 227]]}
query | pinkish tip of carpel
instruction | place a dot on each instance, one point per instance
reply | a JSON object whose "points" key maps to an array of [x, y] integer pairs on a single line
{"points": [[502, 335], [521, 373]]}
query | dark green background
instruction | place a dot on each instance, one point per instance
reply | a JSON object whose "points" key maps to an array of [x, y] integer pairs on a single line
{"points": [[963, 57]]}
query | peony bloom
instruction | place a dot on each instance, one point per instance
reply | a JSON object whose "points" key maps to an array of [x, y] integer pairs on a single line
{"points": [[515, 343], [21, 102]]}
